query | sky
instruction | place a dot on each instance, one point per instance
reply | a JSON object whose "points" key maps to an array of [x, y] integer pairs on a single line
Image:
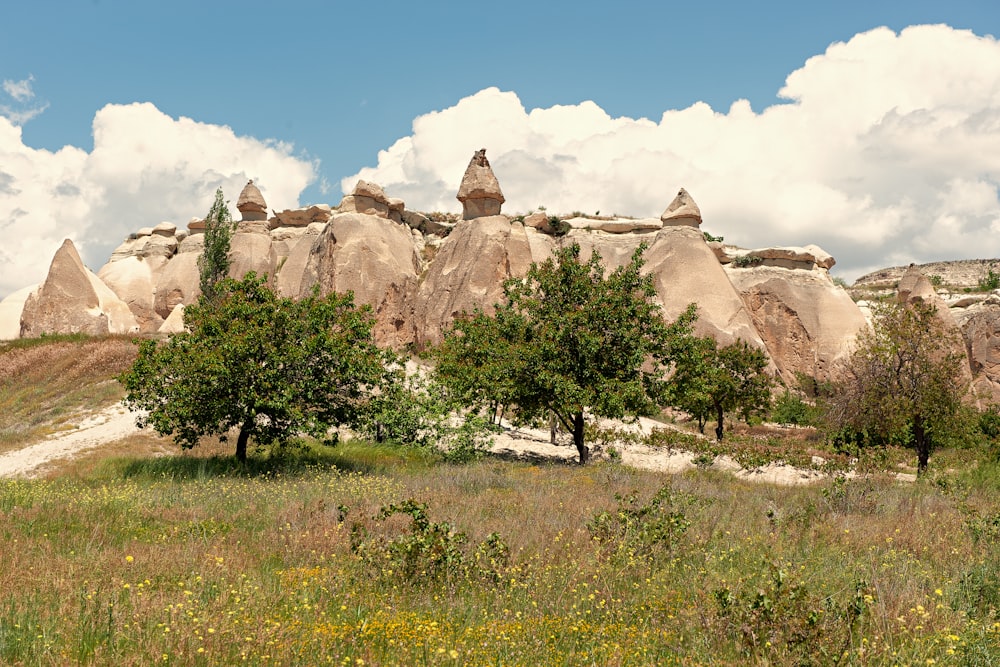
{"points": [[871, 129]]}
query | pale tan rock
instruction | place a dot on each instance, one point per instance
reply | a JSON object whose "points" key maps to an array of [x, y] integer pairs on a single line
{"points": [[792, 257], [686, 271], [301, 217], [174, 323], [539, 221], [74, 300], [196, 225], [370, 190], [251, 204], [396, 208], [177, 282], [144, 231], [291, 271], [375, 258], [807, 322], [682, 211], [165, 229], [479, 191], [618, 226], [468, 272], [131, 279], [250, 249], [10, 312]]}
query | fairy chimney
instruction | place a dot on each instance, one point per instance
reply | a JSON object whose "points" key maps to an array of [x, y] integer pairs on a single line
{"points": [[682, 212], [251, 203], [480, 192]]}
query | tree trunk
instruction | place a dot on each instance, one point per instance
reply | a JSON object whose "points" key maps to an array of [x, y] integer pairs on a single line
{"points": [[718, 427], [553, 427], [701, 425], [241, 443], [578, 438], [922, 444]]}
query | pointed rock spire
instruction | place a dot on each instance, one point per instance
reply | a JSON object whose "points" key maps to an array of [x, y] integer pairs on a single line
{"points": [[251, 203], [479, 192], [682, 211]]}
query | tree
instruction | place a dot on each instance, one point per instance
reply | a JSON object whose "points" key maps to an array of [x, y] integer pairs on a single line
{"points": [[567, 339], [213, 264], [269, 366], [904, 384], [709, 381]]}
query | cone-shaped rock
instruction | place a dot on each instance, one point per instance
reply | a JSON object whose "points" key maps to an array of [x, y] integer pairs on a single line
{"points": [[74, 300], [479, 192], [682, 211], [251, 203]]}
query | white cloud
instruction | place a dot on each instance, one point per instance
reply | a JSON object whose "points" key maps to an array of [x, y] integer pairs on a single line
{"points": [[22, 93], [886, 152], [20, 90], [146, 167]]}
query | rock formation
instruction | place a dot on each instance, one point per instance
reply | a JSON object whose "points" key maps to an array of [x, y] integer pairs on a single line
{"points": [[74, 300], [251, 204], [479, 192], [419, 272], [682, 211]]}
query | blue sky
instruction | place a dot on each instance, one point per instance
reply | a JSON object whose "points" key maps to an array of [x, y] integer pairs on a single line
{"points": [[331, 84]]}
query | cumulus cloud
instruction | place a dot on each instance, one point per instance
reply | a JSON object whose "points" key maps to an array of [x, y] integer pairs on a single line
{"points": [[886, 151], [145, 167]]}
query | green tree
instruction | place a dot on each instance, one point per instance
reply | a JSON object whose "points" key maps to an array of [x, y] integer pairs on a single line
{"points": [[709, 381], [269, 366], [904, 384], [567, 339], [213, 264]]}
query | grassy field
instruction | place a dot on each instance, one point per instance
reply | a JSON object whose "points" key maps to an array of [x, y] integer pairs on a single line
{"points": [[138, 554], [320, 559]]}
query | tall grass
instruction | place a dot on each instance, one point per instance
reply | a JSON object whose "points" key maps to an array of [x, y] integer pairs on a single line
{"points": [[194, 559]]}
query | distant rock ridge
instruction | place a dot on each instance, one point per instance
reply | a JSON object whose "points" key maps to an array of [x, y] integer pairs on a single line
{"points": [[419, 271]]}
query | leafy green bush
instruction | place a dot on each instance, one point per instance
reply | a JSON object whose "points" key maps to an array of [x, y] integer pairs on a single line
{"points": [[642, 529], [427, 551], [990, 281], [789, 408]]}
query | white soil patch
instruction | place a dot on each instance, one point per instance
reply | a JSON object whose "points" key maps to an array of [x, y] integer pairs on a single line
{"points": [[108, 425]]}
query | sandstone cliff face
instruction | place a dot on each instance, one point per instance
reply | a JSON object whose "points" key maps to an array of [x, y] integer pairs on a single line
{"points": [[468, 273], [375, 258], [808, 323]]}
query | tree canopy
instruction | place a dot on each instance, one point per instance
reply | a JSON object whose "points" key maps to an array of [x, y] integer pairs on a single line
{"points": [[213, 264], [567, 340], [709, 381], [904, 384], [269, 366]]}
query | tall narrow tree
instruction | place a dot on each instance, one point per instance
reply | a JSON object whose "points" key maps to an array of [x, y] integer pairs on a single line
{"points": [[213, 265]]}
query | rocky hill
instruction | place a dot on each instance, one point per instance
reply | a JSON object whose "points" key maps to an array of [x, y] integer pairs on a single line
{"points": [[418, 272]]}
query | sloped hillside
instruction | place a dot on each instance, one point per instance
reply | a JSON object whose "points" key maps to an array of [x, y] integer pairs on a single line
{"points": [[49, 384]]}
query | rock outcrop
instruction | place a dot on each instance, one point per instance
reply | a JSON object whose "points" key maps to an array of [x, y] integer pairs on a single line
{"points": [[72, 299], [373, 257], [808, 323], [682, 211], [251, 204], [480, 191], [367, 198]]}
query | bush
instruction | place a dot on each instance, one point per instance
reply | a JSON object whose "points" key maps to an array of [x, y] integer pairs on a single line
{"points": [[789, 408], [990, 282], [643, 530]]}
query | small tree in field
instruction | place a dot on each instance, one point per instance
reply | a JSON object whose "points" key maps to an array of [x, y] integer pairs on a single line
{"points": [[269, 366], [213, 264], [568, 339], [709, 381], [904, 384]]}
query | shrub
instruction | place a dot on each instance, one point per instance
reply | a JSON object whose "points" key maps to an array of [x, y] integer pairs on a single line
{"points": [[642, 529], [990, 281]]}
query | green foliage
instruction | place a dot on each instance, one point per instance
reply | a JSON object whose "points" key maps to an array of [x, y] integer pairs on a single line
{"points": [[269, 366], [643, 530], [936, 280], [559, 227], [789, 408], [778, 618], [427, 552], [568, 339], [746, 261], [990, 281], [904, 384], [408, 410], [213, 264], [709, 238], [840, 282], [710, 381]]}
